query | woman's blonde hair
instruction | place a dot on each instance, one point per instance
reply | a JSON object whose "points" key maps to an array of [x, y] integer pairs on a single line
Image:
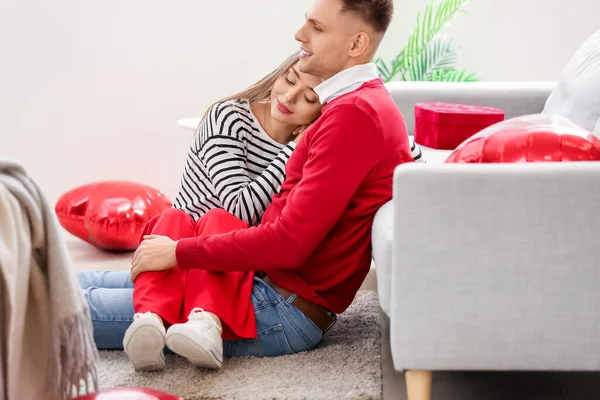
{"points": [[261, 90]]}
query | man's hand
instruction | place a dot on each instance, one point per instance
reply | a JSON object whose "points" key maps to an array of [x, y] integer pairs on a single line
{"points": [[155, 253]]}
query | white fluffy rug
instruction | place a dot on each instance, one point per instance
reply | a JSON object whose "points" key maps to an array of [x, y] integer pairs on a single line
{"points": [[346, 365]]}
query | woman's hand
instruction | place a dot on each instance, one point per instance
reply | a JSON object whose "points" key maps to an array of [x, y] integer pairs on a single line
{"points": [[299, 131], [155, 253]]}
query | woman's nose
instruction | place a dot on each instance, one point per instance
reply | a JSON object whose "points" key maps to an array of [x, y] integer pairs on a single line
{"points": [[291, 95]]}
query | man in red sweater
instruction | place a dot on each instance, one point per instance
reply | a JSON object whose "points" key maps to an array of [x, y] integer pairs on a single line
{"points": [[312, 250]]}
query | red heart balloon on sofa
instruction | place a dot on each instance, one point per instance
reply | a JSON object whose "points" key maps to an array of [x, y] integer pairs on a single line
{"points": [[531, 138], [110, 215], [129, 394]]}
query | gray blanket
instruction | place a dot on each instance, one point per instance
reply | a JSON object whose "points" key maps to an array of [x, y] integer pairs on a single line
{"points": [[47, 341]]}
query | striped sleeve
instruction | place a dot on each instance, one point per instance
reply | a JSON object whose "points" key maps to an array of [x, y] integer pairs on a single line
{"points": [[415, 150], [222, 155], [195, 196]]}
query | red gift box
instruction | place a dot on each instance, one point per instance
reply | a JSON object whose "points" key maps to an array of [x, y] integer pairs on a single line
{"points": [[444, 126]]}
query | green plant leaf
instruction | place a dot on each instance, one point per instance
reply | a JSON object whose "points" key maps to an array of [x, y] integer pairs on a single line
{"points": [[429, 21], [419, 58], [424, 31], [382, 69], [440, 54], [397, 67], [451, 75], [387, 73]]}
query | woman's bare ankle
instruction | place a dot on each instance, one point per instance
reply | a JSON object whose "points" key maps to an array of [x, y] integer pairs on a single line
{"points": [[217, 320]]}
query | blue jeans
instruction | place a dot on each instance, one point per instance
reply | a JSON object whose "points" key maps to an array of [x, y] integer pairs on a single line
{"points": [[281, 327]]}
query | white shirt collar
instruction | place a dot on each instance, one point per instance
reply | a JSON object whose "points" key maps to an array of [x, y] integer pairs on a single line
{"points": [[345, 81]]}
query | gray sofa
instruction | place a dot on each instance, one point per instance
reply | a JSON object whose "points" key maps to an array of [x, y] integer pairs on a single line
{"points": [[490, 266]]}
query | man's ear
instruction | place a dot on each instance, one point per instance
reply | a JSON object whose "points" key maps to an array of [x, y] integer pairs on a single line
{"points": [[360, 44]]}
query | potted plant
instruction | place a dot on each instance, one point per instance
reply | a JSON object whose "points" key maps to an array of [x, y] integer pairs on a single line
{"points": [[429, 55]]}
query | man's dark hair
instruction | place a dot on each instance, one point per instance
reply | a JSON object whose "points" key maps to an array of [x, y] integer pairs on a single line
{"points": [[377, 13]]}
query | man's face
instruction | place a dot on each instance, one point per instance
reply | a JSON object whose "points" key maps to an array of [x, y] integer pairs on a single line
{"points": [[325, 39]]}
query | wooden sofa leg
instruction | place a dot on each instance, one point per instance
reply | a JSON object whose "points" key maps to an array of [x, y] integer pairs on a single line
{"points": [[418, 384]]}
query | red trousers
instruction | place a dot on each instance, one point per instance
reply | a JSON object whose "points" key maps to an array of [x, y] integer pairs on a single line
{"points": [[173, 293]]}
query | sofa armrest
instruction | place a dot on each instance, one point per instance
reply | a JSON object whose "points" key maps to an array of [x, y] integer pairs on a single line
{"points": [[496, 266], [515, 98]]}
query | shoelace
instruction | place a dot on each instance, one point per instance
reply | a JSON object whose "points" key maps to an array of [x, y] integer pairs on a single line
{"points": [[139, 315], [206, 322]]}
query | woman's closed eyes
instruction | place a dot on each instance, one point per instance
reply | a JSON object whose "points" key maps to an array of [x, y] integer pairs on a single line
{"points": [[291, 80]]}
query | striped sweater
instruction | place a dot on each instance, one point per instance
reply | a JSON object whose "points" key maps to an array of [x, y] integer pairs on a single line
{"points": [[234, 164]]}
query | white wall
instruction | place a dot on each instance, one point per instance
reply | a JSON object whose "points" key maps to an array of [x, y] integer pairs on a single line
{"points": [[92, 90], [506, 40]]}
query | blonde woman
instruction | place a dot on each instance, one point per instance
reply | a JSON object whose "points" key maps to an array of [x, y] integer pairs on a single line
{"points": [[237, 159], [235, 165]]}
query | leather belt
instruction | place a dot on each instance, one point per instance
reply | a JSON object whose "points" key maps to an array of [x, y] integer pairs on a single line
{"points": [[322, 318]]}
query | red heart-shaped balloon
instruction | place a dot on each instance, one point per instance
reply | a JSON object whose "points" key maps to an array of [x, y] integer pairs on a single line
{"points": [[110, 215], [129, 394], [531, 138]]}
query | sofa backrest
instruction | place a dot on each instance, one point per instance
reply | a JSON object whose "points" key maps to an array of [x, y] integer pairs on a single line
{"points": [[515, 98]]}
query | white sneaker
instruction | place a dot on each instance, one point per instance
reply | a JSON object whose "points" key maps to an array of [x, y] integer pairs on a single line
{"points": [[144, 342], [199, 340]]}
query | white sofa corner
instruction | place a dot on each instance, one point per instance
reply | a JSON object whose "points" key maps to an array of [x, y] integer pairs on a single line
{"points": [[490, 266]]}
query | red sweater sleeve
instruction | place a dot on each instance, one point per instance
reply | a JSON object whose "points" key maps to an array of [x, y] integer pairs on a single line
{"points": [[341, 152]]}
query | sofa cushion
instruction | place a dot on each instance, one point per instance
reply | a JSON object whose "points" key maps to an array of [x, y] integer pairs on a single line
{"points": [[382, 253], [434, 156], [577, 95]]}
